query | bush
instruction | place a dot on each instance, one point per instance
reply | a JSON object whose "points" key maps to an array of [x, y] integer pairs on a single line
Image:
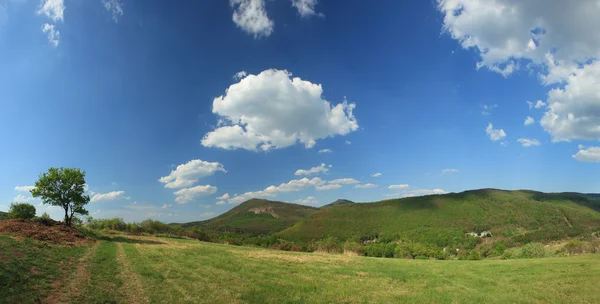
{"points": [[328, 245], [533, 250], [474, 255], [528, 251], [21, 210], [352, 248], [379, 250]]}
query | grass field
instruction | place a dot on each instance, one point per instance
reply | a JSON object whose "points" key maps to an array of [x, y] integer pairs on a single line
{"points": [[160, 270]]}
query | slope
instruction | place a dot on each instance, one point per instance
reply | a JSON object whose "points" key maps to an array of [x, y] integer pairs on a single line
{"points": [[338, 202], [257, 216], [443, 220]]}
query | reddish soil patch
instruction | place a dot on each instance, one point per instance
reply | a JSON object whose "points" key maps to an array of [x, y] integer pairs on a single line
{"points": [[58, 234]]}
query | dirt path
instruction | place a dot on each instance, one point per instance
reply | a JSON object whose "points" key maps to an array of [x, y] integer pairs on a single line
{"points": [[72, 287], [132, 287], [565, 218]]}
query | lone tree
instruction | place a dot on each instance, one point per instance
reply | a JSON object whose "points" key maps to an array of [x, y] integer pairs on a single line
{"points": [[63, 187]]}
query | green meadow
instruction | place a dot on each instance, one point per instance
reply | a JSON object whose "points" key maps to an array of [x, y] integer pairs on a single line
{"points": [[128, 269]]}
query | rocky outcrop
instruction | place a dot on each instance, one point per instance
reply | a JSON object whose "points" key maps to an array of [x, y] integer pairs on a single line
{"points": [[259, 210]]}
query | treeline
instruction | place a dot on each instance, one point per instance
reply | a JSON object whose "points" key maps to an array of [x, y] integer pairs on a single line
{"points": [[373, 245], [146, 227]]}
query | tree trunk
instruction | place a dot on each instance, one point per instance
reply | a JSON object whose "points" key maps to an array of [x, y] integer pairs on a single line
{"points": [[67, 220]]}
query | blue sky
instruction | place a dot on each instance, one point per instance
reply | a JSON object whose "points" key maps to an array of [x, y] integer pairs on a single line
{"points": [[181, 111]]}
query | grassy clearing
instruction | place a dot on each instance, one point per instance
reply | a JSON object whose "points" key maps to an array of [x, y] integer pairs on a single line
{"points": [[191, 272], [31, 270]]}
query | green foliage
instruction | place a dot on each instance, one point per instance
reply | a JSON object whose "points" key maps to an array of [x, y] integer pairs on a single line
{"points": [[63, 187], [353, 247], [582, 247], [21, 210], [411, 250], [3, 215], [444, 220], [474, 255], [379, 250], [328, 245], [45, 216], [527, 251]]}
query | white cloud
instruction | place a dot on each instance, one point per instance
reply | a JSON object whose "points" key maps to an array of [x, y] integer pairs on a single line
{"points": [[52, 33], [314, 170], [115, 8], [239, 75], [526, 142], [365, 186], [271, 110], [574, 111], [295, 185], [528, 121], [208, 214], [271, 191], [377, 174], [24, 188], [539, 104], [251, 17], [487, 109], [218, 203], [311, 200], [187, 194], [495, 134], [223, 197], [348, 142], [591, 154], [306, 8], [344, 181], [329, 187], [325, 151], [189, 173], [558, 41], [53, 9], [238, 199], [421, 192], [401, 186], [450, 171], [22, 198], [113, 195], [165, 206]]}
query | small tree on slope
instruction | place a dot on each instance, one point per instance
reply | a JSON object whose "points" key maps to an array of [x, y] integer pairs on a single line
{"points": [[63, 187]]}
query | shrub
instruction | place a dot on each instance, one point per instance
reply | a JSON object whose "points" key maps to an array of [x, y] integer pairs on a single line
{"points": [[533, 250], [379, 250], [328, 245], [474, 255], [528, 251], [352, 248], [403, 251], [575, 247], [21, 210]]}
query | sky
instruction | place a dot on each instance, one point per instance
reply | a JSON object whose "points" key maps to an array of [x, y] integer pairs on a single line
{"points": [[179, 111]]}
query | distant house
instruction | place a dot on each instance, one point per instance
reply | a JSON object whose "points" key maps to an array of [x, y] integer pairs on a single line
{"points": [[481, 234]]}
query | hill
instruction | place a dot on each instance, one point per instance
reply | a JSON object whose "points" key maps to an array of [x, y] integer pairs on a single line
{"points": [[444, 220], [338, 202], [258, 216]]}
